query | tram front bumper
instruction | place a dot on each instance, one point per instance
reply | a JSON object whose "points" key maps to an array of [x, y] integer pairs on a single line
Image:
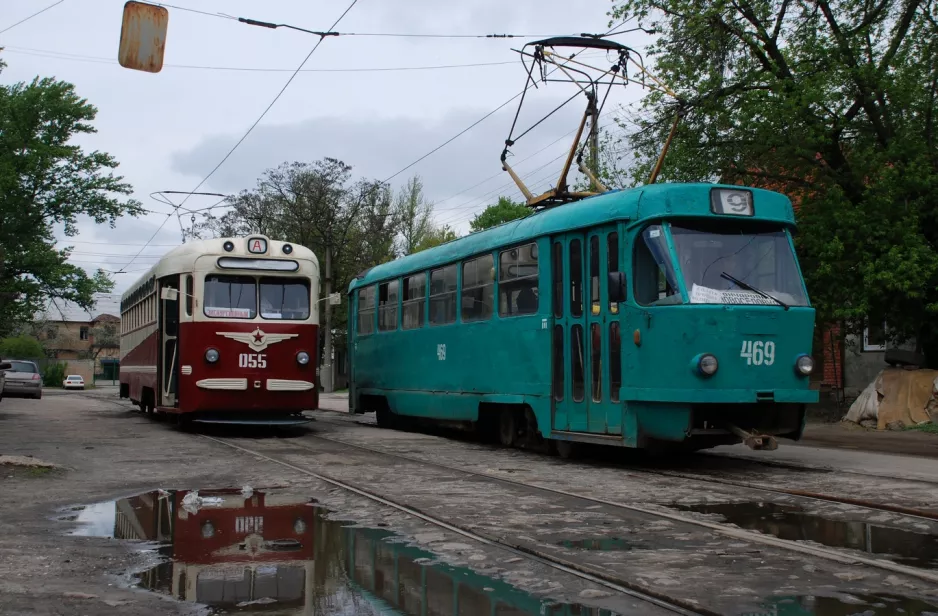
{"points": [[728, 396]]}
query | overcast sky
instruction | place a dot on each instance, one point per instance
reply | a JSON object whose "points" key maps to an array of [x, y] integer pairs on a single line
{"points": [[169, 129]]}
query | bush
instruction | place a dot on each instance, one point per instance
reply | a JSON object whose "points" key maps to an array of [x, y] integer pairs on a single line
{"points": [[21, 347], [53, 375]]}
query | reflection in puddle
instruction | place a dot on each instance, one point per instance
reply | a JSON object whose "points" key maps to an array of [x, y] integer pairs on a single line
{"points": [[848, 605], [605, 544], [792, 523], [259, 551]]}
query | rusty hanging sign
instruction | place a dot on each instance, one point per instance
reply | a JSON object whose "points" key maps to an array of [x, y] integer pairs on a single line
{"points": [[143, 37]]}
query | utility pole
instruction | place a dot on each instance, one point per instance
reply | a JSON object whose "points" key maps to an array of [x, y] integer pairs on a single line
{"points": [[325, 373], [594, 140]]}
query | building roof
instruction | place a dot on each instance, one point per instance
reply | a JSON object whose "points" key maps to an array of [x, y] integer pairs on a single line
{"points": [[70, 312]]}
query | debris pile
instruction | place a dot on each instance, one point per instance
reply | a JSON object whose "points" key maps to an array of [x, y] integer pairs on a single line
{"points": [[897, 399]]}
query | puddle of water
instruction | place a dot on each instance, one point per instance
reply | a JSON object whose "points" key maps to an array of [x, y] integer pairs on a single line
{"points": [[605, 544], [847, 605], [792, 523], [273, 551]]}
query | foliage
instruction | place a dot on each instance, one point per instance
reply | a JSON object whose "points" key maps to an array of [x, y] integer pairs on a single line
{"points": [[21, 347], [614, 159], [413, 216], [46, 181], [104, 335], [53, 374], [928, 428], [502, 212], [436, 236], [832, 102]]}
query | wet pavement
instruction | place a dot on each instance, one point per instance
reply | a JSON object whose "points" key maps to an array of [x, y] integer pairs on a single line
{"points": [[253, 551], [791, 522]]}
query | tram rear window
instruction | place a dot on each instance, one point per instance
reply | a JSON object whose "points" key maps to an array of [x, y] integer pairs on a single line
{"points": [[284, 299], [230, 297]]}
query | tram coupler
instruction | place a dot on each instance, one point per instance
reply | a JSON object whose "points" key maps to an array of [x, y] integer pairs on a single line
{"points": [[754, 440]]}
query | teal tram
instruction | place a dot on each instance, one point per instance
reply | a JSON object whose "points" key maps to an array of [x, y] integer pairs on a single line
{"points": [[668, 316]]}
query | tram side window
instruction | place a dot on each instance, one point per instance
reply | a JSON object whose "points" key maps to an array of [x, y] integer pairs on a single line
{"points": [[612, 262], [188, 296], [443, 295], [232, 297], [478, 282], [387, 306], [366, 310], [415, 296], [615, 361], [594, 275], [576, 278], [654, 280], [517, 281], [284, 298], [557, 277]]}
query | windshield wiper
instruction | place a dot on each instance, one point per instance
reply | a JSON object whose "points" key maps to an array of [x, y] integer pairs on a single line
{"points": [[748, 286]]}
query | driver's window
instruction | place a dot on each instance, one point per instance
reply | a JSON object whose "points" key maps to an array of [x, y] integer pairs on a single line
{"points": [[654, 279]]}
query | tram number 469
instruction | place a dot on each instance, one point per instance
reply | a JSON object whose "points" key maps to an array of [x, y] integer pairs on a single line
{"points": [[758, 352], [252, 360]]}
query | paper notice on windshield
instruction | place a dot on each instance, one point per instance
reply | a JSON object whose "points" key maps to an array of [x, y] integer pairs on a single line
{"points": [[706, 295], [235, 313]]}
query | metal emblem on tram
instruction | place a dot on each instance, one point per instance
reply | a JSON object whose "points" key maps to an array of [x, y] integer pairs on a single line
{"points": [[257, 339]]}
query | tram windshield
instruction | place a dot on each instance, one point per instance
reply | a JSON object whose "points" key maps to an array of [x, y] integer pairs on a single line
{"points": [[238, 297], [719, 265]]}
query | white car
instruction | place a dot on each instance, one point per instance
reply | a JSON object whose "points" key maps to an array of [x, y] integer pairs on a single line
{"points": [[73, 381]]}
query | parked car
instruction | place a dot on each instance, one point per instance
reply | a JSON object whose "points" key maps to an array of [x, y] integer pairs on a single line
{"points": [[4, 366], [23, 379], [73, 381]]}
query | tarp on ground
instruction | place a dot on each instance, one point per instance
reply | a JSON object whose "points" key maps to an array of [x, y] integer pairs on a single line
{"points": [[896, 395]]}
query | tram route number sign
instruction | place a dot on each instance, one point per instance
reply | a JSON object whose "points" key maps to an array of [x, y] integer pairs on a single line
{"points": [[758, 352], [252, 360]]}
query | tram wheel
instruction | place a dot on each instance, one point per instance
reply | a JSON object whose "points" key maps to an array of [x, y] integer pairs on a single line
{"points": [[384, 418], [507, 428], [567, 450]]}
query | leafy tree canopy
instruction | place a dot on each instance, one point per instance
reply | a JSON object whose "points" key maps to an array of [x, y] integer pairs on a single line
{"points": [[47, 180], [831, 102], [502, 212], [436, 236]]}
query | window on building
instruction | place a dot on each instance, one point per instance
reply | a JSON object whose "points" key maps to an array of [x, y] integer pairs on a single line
{"points": [[874, 337], [366, 310], [517, 281], [443, 295], [415, 297], [83, 333], [387, 305], [478, 288]]}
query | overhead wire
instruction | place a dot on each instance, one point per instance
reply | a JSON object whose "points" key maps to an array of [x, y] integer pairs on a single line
{"points": [[25, 19], [256, 122]]}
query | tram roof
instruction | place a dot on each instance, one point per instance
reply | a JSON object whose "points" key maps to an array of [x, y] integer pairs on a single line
{"points": [[644, 203], [182, 258]]}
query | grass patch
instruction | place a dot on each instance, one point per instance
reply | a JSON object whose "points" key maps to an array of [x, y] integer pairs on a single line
{"points": [[928, 428]]}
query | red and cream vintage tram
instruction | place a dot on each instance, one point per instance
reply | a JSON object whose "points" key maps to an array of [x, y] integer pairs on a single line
{"points": [[224, 331]]}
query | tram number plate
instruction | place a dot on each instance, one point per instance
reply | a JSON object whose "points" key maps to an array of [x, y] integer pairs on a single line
{"points": [[252, 360], [758, 352]]}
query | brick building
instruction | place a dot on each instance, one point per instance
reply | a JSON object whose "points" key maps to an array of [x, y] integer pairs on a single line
{"points": [[88, 341]]}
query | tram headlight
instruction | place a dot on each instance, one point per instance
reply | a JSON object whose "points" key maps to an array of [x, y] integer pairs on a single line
{"points": [[299, 527], [287, 249], [302, 358], [208, 530], [804, 365], [706, 364], [228, 246], [211, 356]]}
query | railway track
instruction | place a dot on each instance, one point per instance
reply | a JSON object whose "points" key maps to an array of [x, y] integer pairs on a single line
{"points": [[726, 530], [597, 577], [831, 498]]}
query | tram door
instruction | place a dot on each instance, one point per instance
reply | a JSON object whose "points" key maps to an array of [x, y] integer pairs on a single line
{"points": [[587, 366], [168, 359]]}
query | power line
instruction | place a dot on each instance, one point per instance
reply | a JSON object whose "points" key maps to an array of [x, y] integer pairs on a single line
{"points": [[256, 122], [59, 55], [31, 16]]}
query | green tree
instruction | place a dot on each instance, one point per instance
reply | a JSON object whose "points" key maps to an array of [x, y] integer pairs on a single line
{"points": [[21, 347], [436, 236], [413, 216], [46, 180], [502, 212], [832, 102]]}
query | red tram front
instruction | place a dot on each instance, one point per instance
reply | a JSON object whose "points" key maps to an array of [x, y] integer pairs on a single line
{"points": [[224, 331]]}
